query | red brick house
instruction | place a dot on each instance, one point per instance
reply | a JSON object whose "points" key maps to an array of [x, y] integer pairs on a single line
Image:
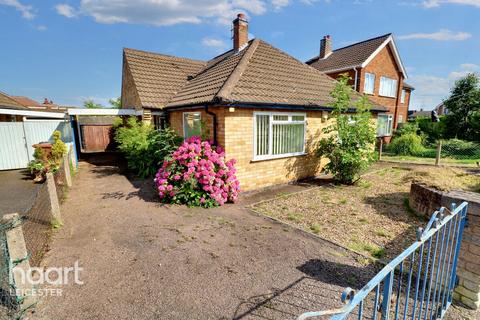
{"points": [[266, 108], [376, 69]]}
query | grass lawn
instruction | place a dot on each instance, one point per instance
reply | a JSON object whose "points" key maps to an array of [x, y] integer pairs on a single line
{"points": [[443, 161], [372, 217]]}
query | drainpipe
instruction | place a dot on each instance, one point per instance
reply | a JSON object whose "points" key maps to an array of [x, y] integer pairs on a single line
{"points": [[214, 116], [356, 78]]}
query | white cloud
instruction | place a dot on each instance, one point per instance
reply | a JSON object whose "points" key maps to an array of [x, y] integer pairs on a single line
{"points": [[164, 12], [279, 4], [66, 10], [170, 12], [41, 28], [214, 43], [437, 3], [25, 10], [441, 35], [431, 90]]}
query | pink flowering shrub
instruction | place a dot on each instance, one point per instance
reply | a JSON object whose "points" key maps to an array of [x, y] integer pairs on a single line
{"points": [[197, 175]]}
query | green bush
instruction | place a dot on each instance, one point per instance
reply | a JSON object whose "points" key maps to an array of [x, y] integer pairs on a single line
{"points": [[144, 147], [409, 144], [349, 141], [406, 128]]}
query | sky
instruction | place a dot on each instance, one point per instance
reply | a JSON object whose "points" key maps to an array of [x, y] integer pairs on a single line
{"points": [[71, 51]]}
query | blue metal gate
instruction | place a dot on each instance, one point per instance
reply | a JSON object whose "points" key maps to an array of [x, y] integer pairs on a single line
{"points": [[417, 284]]}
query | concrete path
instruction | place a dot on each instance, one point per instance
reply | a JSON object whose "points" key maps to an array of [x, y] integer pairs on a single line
{"points": [[17, 191], [143, 260]]}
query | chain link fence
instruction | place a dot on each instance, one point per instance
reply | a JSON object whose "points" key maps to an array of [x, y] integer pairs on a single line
{"points": [[451, 152]]}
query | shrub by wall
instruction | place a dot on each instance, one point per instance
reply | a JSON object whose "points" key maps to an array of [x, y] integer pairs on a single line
{"points": [[197, 175]]}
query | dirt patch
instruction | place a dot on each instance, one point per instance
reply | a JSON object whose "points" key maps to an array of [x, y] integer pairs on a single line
{"points": [[372, 217]]}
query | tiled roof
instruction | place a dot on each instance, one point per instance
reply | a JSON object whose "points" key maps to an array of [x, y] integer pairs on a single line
{"points": [[7, 102], [158, 77], [350, 56], [258, 74], [25, 101], [408, 86]]}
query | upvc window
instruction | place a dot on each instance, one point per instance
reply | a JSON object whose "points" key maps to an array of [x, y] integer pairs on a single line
{"points": [[192, 124], [388, 87], [384, 125], [402, 97], [278, 135], [369, 86]]}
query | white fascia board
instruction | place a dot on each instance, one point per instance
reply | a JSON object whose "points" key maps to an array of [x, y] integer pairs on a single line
{"points": [[391, 42], [32, 113], [103, 112]]}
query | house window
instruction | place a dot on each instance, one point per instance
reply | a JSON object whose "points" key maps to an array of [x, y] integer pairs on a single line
{"points": [[402, 97], [192, 124], [384, 125], [278, 135], [369, 86], [400, 118], [158, 122], [388, 87]]}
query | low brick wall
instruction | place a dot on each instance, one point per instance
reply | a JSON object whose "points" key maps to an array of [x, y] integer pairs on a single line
{"points": [[425, 201]]}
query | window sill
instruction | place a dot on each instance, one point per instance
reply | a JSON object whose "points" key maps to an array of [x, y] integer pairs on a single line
{"points": [[381, 95], [281, 156], [369, 94]]}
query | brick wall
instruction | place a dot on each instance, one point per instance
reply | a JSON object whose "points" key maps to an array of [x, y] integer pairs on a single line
{"points": [[130, 98], [235, 134], [425, 201]]}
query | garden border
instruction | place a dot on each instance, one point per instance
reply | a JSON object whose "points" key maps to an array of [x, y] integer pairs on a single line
{"points": [[250, 208]]}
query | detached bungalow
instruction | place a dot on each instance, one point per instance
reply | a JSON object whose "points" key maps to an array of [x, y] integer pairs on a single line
{"points": [[266, 108]]}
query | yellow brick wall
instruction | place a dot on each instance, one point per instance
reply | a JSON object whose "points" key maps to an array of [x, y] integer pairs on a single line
{"points": [[235, 134], [259, 174]]}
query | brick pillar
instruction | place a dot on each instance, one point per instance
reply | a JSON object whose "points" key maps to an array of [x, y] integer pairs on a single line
{"points": [[468, 269]]}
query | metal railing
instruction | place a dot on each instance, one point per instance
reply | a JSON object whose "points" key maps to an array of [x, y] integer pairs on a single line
{"points": [[417, 284]]}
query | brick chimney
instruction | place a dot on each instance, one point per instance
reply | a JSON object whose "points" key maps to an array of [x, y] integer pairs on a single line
{"points": [[325, 47], [240, 32]]}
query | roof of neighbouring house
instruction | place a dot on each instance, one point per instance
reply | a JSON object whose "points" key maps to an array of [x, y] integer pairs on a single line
{"points": [[258, 74], [25, 101], [159, 77], [420, 113], [408, 86], [356, 55], [8, 102]]}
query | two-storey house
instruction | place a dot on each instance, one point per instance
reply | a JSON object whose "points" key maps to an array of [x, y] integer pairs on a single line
{"points": [[375, 69]]}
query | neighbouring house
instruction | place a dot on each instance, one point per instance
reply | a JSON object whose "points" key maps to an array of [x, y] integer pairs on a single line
{"points": [[264, 107], [441, 109], [376, 69], [8, 105], [414, 114]]}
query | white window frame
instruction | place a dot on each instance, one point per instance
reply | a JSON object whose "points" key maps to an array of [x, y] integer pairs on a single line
{"points": [[270, 135], [381, 90], [365, 83], [403, 96], [389, 128], [183, 120]]}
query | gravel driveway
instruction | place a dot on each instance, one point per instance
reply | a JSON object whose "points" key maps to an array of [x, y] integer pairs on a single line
{"points": [[143, 260]]}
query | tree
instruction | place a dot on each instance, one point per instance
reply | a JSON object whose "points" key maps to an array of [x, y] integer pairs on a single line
{"points": [[89, 104], [463, 106], [349, 144], [116, 103]]}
